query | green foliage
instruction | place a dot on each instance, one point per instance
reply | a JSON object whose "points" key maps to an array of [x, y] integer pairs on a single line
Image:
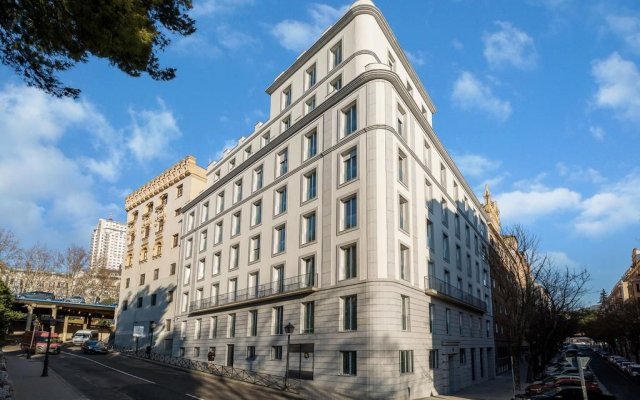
{"points": [[40, 38], [6, 312]]}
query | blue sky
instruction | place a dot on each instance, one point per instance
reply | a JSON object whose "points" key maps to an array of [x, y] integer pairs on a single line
{"points": [[540, 99]]}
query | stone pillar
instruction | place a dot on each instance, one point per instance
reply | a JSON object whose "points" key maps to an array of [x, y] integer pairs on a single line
{"points": [[54, 314], [29, 318], [64, 327], [89, 322], [84, 322]]}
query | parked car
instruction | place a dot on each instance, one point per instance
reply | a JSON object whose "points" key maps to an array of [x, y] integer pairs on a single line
{"points": [[562, 380], [95, 347], [83, 335], [36, 342], [570, 393], [633, 370]]}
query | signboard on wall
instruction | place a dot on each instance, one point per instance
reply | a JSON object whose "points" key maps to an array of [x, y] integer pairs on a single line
{"points": [[138, 331]]}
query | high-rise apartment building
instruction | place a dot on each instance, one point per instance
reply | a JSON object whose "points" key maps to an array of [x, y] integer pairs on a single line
{"points": [[344, 219], [107, 244], [148, 279]]}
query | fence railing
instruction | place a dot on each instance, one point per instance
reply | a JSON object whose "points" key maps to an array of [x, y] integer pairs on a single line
{"points": [[295, 283], [448, 290], [256, 378]]}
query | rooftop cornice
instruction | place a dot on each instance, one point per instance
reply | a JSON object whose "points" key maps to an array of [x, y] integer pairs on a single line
{"points": [[330, 34], [180, 170]]}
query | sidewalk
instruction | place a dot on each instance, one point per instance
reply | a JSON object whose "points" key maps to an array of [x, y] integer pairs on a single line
{"points": [[500, 388], [25, 373]]}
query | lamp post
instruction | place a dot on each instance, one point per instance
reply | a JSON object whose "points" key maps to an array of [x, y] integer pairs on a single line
{"points": [[45, 367], [289, 330]]}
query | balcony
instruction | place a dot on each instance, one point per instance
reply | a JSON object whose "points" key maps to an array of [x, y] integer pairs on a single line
{"points": [[443, 290], [296, 285]]}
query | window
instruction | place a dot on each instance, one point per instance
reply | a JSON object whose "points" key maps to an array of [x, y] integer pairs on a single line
{"points": [[349, 265], [350, 117], [253, 285], [252, 328], [432, 314], [234, 256], [188, 248], [126, 283], [186, 278], [266, 138], [309, 228], [404, 263], [237, 191], [400, 124], [409, 88], [310, 187], [217, 233], [281, 200], [431, 239], [311, 76], [311, 143], [254, 252], [460, 322], [190, 219], [445, 212], [434, 359], [350, 165], [280, 235], [198, 328], [232, 164], [447, 321], [404, 313], [402, 167], [183, 334], [277, 283], [286, 97], [141, 279], [309, 270], [335, 84], [169, 296], [125, 305], [175, 240], [220, 203], [200, 273], [349, 313], [445, 247], [403, 214], [456, 224], [349, 212], [348, 359], [217, 259], [475, 244], [231, 325], [443, 176], [336, 54], [232, 289], [139, 302], [286, 123], [215, 291], [308, 317], [247, 152], [204, 212], [469, 265], [256, 213], [458, 257], [276, 352], [203, 241], [427, 154], [213, 327], [406, 361], [278, 320], [282, 160], [167, 325], [310, 104], [463, 356], [485, 278], [258, 178], [391, 62], [428, 194], [251, 353], [467, 235], [216, 176], [179, 191], [235, 224]]}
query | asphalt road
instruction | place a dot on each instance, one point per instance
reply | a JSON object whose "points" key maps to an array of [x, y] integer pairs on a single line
{"points": [[614, 380], [115, 377]]}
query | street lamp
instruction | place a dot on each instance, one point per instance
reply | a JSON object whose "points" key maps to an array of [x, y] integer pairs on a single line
{"points": [[289, 330], [45, 367]]}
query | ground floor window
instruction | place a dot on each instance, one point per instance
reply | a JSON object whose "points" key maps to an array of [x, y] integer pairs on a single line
{"points": [[434, 359], [348, 363], [406, 361], [276, 352]]}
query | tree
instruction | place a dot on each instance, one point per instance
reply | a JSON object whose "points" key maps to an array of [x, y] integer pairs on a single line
{"points": [[73, 262], [9, 249], [39, 39], [6, 310], [38, 263]]}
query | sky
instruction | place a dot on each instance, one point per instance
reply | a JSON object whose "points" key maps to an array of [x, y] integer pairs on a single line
{"points": [[540, 99]]}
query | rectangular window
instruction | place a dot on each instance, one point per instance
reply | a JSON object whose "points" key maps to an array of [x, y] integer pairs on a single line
{"points": [[404, 263], [286, 97], [188, 248], [278, 320], [254, 252], [348, 361], [469, 273], [349, 212], [427, 154], [252, 328], [428, 194], [310, 104], [350, 165], [213, 327], [309, 270], [190, 220], [256, 213], [445, 212], [350, 116], [197, 329], [220, 203], [169, 296], [179, 191], [308, 317], [167, 325], [237, 191], [232, 164], [402, 168], [311, 76], [200, 272], [251, 353], [203, 241], [458, 257], [277, 283], [215, 292], [258, 178], [400, 124], [185, 301], [139, 302], [186, 278], [348, 259], [335, 84], [266, 138], [309, 228], [431, 239], [247, 152], [336, 55], [217, 233], [467, 235], [217, 259], [443, 176], [232, 289], [204, 212], [281, 200], [183, 330], [406, 361], [310, 185], [282, 160], [286, 123], [463, 356], [448, 321], [231, 325], [456, 224], [199, 293], [253, 286], [403, 214], [434, 359], [234, 256], [445, 247], [280, 236], [276, 352], [432, 314], [235, 224], [404, 313], [349, 313], [311, 144], [175, 240], [126, 284], [460, 322]]}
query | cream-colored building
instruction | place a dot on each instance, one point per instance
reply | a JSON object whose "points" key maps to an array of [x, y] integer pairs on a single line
{"points": [[628, 287], [148, 278], [344, 216], [107, 244]]}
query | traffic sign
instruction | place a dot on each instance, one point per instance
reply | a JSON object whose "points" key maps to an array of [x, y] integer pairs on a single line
{"points": [[138, 331]]}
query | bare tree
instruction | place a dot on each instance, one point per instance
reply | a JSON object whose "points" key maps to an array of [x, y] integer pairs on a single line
{"points": [[73, 262], [9, 249], [38, 262], [101, 284]]}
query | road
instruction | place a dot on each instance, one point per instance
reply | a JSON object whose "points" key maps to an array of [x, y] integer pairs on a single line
{"points": [[115, 377], [614, 380]]}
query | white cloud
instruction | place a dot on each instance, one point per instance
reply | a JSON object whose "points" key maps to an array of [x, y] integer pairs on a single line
{"points": [[297, 35], [196, 45], [205, 8], [471, 94], [525, 206], [597, 132], [579, 174], [509, 46], [628, 28], [475, 165], [232, 39], [561, 259], [618, 83], [417, 58], [152, 132]]}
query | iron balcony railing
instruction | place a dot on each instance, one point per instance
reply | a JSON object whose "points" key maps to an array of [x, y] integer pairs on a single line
{"points": [[296, 283], [447, 290]]}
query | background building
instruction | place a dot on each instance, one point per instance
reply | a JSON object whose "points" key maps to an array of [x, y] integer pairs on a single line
{"points": [[344, 217], [148, 279], [107, 244]]}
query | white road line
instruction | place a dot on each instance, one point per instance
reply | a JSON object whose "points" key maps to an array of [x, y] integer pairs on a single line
{"points": [[115, 369], [194, 397]]}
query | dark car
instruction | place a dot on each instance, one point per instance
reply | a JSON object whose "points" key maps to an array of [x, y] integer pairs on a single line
{"points": [[570, 393], [552, 382], [95, 347]]}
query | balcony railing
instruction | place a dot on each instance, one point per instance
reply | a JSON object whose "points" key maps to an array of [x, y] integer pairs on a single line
{"points": [[444, 289], [275, 288]]}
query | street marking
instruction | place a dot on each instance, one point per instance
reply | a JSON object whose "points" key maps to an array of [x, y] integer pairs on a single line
{"points": [[115, 369], [194, 397]]}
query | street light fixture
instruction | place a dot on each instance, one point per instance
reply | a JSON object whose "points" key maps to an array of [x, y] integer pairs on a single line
{"points": [[289, 330]]}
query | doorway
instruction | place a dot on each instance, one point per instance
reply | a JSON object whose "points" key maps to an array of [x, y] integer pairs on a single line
{"points": [[230, 355], [301, 361]]}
